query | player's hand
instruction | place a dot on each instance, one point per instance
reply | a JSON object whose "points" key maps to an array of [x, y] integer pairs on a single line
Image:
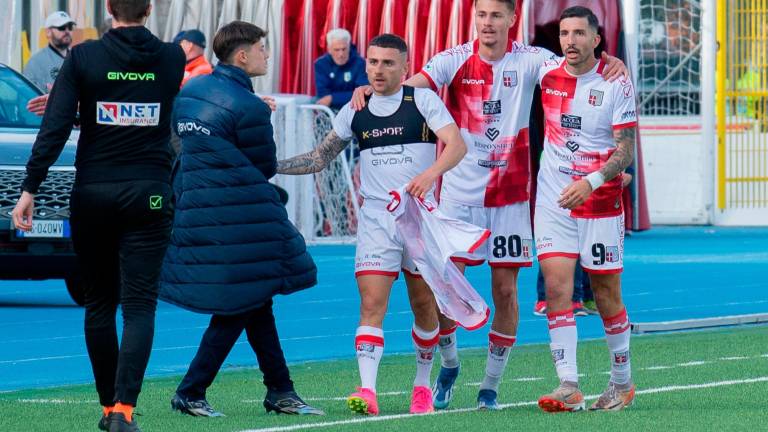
{"points": [[325, 100], [358, 97], [421, 184], [626, 179], [22, 213], [575, 194], [614, 68], [270, 101], [37, 105]]}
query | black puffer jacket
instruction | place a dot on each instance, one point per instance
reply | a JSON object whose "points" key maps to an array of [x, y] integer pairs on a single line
{"points": [[233, 246]]}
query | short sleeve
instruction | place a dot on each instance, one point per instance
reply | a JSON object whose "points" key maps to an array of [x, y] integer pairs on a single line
{"points": [[342, 123], [441, 68], [433, 109], [624, 105]]}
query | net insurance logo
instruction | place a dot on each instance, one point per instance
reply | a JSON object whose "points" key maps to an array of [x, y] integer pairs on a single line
{"points": [[127, 114]]}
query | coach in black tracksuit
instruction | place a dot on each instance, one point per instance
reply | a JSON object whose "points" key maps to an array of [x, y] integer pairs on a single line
{"points": [[121, 203]]}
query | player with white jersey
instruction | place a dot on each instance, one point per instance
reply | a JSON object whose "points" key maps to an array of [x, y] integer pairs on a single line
{"points": [[397, 133], [490, 86], [589, 140]]}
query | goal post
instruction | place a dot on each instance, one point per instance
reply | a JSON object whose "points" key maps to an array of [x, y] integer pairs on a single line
{"points": [[323, 206]]}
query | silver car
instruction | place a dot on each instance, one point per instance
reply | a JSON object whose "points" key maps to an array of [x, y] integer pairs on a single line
{"points": [[46, 252]]}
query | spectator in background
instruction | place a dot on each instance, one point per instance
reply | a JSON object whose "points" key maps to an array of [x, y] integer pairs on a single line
{"points": [[43, 67], [340, 71], [193, 44]]}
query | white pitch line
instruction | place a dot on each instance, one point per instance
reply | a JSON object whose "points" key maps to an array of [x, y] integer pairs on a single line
{"points": [[358, 420], [392, 393], [733, 358], [693, 363]]}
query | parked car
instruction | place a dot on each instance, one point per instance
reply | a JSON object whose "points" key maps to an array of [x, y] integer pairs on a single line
{"points": [[46, 252]]}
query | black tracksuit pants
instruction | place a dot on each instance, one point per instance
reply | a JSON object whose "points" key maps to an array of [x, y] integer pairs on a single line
{"points": [[218, 340], [120, 232]]}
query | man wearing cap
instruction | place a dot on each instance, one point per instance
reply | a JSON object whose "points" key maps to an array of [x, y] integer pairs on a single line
{"points": [[43, 67], [193, 44]]}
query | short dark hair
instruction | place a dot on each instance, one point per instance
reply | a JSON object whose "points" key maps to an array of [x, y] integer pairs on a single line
{"points": [[511, 4], [131, 11], [582, 12], [389, 40], [234, 35]]}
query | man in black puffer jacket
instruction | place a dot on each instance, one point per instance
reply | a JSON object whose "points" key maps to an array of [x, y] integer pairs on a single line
{"points": [[232, 246]]}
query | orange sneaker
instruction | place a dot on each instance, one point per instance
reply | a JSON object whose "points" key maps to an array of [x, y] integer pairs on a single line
{"points": [[363, 401], [421, 400], [614, 398], [566, 397]]}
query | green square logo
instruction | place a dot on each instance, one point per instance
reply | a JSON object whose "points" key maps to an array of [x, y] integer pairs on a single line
{"points": [[155, 202]]}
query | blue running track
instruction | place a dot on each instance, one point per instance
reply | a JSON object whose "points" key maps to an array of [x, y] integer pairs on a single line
{"points": [[670, 273]]}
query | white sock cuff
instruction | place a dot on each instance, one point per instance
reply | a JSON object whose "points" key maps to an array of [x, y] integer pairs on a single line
{"points": [[368, 330]]}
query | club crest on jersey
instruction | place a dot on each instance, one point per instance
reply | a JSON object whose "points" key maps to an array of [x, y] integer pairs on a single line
{"points": [[127, 114], [347, 76], [612, 254], [491, 107], [492, 133], [509, 78], [572, 146], [569, 121], [595, 97]]}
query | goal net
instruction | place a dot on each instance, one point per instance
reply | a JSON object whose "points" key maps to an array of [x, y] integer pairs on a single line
{"points": [[669, 96], [324, 205]]}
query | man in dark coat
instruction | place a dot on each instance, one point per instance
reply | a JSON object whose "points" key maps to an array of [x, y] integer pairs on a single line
{"points": [[232, 246]]}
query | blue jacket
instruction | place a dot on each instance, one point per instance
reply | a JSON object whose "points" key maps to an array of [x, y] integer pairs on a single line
{"points": [[339, 81], [232, 246]]}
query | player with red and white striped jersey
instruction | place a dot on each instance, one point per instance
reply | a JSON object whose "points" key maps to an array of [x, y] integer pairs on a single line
{"points": [[590, 127], [490, 85]]}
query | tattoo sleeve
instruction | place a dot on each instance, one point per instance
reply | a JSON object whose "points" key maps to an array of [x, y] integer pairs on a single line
{"points": [[315, 160], [622, 157]]}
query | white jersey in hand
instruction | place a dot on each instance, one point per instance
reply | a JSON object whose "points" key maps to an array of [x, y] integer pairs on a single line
{"points": [[430, 239]]}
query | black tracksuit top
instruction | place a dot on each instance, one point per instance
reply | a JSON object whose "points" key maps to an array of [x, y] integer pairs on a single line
{"points": [[125, 85]]}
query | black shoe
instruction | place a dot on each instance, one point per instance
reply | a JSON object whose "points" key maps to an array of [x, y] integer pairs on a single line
{"points": [[288, 403], [104, 422], [118, 423], [197, 408]]}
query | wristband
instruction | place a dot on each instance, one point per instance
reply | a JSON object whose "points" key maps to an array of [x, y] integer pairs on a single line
{"points": [[595, 179]]}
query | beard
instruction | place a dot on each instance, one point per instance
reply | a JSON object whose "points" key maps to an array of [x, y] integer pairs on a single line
{"points": [[61, 43]]}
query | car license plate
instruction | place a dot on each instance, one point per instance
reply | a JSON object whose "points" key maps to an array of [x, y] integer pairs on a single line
{"points": [[46, 229]]}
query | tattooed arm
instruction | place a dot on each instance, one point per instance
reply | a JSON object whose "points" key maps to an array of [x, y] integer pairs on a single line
{"points": [[316, 160], [577, 192], [622, 157]]}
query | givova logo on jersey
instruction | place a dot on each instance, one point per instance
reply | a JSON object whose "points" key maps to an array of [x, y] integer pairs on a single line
{"points": [[127, 114]]}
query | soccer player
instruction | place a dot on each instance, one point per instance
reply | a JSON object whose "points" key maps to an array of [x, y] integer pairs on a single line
{"points": [[397, 133], [589, 141], [490, 90]]}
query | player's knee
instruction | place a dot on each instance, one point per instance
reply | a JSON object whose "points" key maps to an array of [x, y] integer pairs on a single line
{"points": [[505, 294], [371, 309]]}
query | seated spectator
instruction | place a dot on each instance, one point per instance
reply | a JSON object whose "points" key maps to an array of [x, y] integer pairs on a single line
{"points": [[340, 71]]}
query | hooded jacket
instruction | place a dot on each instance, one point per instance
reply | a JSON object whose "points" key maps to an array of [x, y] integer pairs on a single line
{"points": [[125, 84], [232, 246]]}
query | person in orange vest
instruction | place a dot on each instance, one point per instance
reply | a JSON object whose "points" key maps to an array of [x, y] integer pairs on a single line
{"points": [[193, 44]]}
